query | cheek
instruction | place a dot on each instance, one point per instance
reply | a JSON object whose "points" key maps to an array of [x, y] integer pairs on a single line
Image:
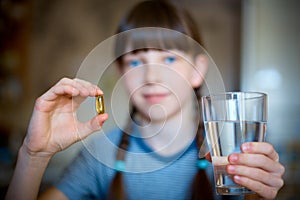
{"points": [[180, 80], [186, 73], [183, 95], [133, 80], [181, 88]]}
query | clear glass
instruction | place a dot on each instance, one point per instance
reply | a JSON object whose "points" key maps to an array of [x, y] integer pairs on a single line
{"points": [[231, 119]]}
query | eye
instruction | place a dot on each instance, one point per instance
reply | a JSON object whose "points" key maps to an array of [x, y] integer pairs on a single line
{"points": [[134, 63], [170, 59]]}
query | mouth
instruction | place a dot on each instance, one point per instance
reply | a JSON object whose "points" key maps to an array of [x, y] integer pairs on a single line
{"points": [[155, 98]]}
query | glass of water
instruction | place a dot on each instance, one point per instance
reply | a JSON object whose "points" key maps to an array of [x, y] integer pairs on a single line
{"points": [[230, 120]]}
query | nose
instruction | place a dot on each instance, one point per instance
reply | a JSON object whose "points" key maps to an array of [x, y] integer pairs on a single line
{"points": [[152, 73]]}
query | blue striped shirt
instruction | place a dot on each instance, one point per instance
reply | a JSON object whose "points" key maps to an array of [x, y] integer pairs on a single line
{"points": [[147, 174]]}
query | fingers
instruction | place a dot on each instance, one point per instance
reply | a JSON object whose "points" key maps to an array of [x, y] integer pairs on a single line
{"points": [[257, 168], [257, 161], [264, 191], [261, 148], [72, 88], [264, 155], [257, 175], [86, 88], [65, 90]]}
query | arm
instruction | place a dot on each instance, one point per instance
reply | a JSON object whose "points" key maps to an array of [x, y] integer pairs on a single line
{"points": [[53, 127], [27, 176], [257, 168]]}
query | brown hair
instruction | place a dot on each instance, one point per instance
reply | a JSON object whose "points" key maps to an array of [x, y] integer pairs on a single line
{"points": [[162, 14]]}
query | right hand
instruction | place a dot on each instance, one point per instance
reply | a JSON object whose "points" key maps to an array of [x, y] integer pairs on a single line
{"points": [[54, 125]]}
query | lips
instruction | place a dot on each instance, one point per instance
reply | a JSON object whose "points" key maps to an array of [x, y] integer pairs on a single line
{"points": [[155, 98]]}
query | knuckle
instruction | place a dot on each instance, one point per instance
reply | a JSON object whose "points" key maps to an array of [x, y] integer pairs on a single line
{"points": [[38, 103], [38, 100], [76, 81], [276, 183], [269, 148], [64, 79], [281, 183], [282, 170], [273, 193]]}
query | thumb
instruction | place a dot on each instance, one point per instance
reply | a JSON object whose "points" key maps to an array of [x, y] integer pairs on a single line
{"points": [[92, 125]]}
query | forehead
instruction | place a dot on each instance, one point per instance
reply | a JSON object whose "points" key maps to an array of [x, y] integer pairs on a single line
{"points": [[151, 38]]}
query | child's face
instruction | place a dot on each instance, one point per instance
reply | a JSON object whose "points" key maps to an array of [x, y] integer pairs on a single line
{"points": [[160, 83]]}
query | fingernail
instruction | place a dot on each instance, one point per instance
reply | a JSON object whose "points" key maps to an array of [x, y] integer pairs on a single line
{"points": [[237, 178], [246, 147], [233, 158]]}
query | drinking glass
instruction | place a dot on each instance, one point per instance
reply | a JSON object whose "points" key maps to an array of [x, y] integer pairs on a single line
{"points": [[231, 119]]}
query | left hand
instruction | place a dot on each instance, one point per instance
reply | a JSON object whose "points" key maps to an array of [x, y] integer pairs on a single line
{"points": [[257, 168]]}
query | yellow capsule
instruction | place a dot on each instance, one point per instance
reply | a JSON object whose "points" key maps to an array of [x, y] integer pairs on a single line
{"points": [[100, 107]]}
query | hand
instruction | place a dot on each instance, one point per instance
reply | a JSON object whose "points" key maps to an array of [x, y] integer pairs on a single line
{"points": [[54, 125], [257, 168]]}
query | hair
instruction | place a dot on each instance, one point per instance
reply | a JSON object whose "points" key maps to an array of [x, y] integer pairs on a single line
{"points": [[169, 17]]}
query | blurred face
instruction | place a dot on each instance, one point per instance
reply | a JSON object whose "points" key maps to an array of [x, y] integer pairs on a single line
{"points": [[160, 83]]}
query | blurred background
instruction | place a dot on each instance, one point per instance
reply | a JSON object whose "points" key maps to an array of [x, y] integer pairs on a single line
{"points": [[254, 43]]}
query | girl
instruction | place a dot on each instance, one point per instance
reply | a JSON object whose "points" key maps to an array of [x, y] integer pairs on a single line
{"points": [[158, 149]]}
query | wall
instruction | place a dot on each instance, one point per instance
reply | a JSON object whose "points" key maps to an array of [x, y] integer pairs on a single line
{"points": [[52, 38], [61, 33], [271, 64]]}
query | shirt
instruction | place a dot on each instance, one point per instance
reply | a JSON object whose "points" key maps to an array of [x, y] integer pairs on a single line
{"points": [[147, 174]]}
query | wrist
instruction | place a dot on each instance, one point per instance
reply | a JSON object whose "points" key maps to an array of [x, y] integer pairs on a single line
{"points": [[41, 157]]}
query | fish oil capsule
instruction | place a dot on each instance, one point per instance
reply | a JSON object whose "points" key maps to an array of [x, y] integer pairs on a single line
{"points": [[100, 107]]}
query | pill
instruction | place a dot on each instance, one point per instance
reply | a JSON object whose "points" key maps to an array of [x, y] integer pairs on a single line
{"points": [[100, 107]]}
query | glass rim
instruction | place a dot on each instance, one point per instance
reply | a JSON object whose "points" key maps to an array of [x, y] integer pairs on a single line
{"points": [[251, 93]]}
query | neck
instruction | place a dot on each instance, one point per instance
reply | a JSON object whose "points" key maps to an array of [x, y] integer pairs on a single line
{"points": [[173, 135]]}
